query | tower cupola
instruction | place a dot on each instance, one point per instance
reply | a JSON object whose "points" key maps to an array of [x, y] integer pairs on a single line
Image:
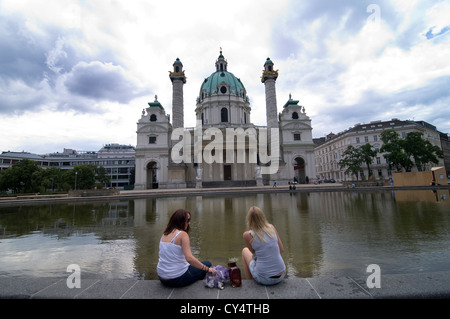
{"points": [[269, 72], [221, 63], [177, 66]]}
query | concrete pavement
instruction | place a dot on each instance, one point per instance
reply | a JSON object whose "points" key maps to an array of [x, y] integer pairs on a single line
{"points": [[417, 286]]}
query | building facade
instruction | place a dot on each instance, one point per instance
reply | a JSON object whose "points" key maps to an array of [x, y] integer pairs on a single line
{"points": [[329, 150], [117, 159], [224, 148]]}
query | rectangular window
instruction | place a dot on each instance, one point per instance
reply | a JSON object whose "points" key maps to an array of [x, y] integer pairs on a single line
{"points": [[375, 138], [357, 140], [297, 137], [366, 139], [152, 140]]}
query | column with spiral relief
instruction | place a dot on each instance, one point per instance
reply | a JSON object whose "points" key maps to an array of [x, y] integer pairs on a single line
{"points": [[178, 80]]}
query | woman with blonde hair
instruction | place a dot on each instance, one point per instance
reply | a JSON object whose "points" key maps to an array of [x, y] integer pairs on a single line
{"points": [[262, 257]]}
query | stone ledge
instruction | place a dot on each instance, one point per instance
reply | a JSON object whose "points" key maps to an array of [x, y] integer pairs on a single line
{"points": [[414, 286]]}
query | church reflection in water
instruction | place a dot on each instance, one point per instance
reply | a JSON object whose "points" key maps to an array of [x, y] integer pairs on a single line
{"points": [[217, 225], [322, 232]]}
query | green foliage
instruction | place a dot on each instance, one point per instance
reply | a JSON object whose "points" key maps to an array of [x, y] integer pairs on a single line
{"points": [[422, 151], [367, 153], [411, 151], [352, 161], [82, 176], [355, 157], [102, 176], [27, 177], [22, 177], [393, 146]]}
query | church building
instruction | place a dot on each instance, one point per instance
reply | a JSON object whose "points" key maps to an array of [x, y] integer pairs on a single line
{"points": [[224, 149]]}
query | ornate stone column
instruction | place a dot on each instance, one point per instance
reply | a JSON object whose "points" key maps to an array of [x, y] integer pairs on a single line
{"points": [[178, 80]]}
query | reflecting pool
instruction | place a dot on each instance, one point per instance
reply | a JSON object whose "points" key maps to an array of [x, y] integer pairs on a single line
{"points": [[323, 233]]}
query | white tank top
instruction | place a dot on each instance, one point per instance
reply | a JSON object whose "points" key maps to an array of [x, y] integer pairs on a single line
{"points": [[172, 263], [268, 258]]}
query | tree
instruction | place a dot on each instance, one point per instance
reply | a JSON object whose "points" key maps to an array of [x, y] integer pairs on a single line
{"points": [[102, 176], [351, 161], [421, 150], [81, 177], [393, 147], [432, 153], [401, 152], [52, 179], [367, 153], [22, 177]]}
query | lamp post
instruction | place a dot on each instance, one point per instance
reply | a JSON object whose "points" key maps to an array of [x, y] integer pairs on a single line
{"points": [[76, 174]]}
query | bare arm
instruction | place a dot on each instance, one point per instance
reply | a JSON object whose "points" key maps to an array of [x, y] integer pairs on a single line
{"points": [[248, 241], [280, 244], [186, 247]]}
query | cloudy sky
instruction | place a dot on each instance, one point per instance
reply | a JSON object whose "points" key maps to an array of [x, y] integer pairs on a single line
{"points": [[77, 74]]}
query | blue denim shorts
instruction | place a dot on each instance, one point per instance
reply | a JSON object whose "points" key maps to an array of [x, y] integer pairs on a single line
{"points": [[191, 275], [266, 281]]}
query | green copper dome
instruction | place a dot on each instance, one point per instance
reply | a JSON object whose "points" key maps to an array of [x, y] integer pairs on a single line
{"points": [[216, 81], [222, 82]]}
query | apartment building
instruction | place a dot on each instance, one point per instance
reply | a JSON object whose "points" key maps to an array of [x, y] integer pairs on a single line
{"points": [[329, 150]]}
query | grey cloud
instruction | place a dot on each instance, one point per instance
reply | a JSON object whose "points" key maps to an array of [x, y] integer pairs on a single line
{"points": [[292, 32], [34, 64], [21, 57], [102, 81], [375, 105]]}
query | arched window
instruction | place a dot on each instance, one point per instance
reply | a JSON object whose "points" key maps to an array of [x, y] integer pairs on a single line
{"points": [[295, 116], [224, 115], [153, 118], [177, 69]]}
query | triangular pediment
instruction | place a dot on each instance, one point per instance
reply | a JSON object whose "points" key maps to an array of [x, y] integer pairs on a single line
{"points": [[152, 128], [297, 125]]}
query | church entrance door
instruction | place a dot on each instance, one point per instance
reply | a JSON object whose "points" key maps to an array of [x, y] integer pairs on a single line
{"points": [[152, 181], [227, 172], [299, 170]]}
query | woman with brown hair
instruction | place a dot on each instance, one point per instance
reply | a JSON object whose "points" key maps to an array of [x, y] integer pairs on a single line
{"points": [[177, 266], [262, 257]]}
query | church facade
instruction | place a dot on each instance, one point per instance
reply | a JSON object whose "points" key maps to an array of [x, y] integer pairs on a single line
{"points": [[225, 148]]}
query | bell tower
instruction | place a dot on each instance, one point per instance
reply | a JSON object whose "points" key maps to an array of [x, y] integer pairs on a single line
{"points": [[269, 77], [178, 80]]}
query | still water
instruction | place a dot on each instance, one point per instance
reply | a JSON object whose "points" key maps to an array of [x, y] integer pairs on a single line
{"points": [[323, 233]]}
